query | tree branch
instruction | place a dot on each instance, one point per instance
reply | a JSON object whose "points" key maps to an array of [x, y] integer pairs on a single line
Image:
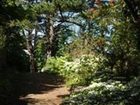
{"points": [[67, 21]]}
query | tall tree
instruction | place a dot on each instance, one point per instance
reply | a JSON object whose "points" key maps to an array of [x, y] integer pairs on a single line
{"points": [[10, 12]]}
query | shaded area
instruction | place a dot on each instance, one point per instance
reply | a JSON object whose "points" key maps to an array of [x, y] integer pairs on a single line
{"points": [[21, 85]]}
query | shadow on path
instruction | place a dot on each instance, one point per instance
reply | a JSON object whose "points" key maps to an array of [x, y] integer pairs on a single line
{"points": [[26, 85]]}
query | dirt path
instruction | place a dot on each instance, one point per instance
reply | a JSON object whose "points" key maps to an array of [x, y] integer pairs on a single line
{"points": [[52, 97], [39, 89]]}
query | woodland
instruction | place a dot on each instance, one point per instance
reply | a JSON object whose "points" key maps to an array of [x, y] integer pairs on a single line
{"points": [[92, 47]]}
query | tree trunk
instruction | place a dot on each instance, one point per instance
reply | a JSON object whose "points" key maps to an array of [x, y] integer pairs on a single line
{"points": [[49, 36], [30, 48]]}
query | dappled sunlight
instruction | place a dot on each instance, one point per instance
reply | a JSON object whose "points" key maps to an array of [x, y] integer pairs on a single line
{"points": [[33, 88]]}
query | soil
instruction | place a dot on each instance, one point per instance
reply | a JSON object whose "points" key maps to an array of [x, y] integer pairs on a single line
{"points": [[37, 89]]}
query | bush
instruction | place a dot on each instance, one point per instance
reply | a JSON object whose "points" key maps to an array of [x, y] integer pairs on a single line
{"points": [[55, 64], [101, 93], [107, 93], [77, 71]]}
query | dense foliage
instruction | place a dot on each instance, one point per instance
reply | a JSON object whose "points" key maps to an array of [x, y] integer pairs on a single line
{"points": [[77, 71], [106, 93], [104, 64]]}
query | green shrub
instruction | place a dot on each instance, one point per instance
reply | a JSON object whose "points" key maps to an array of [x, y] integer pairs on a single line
{"points": [[55, 64], [107, 93], [133, 91], [77, 71]]}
